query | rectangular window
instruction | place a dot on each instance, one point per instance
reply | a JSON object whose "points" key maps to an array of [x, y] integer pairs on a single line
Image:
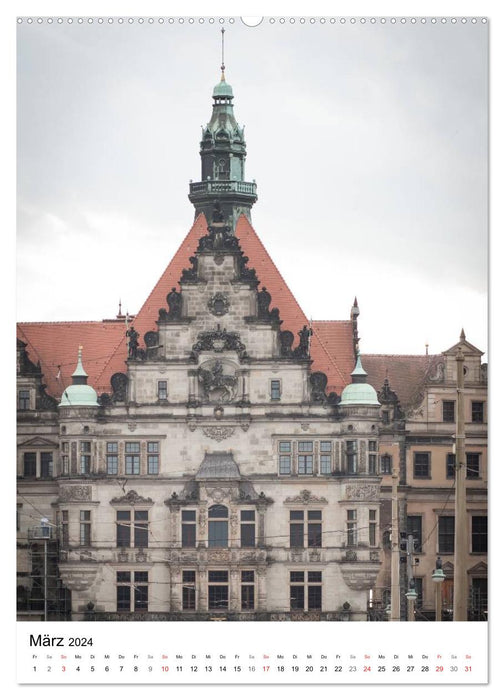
{"points": [[275, 391], [446, 534], [162, 390], [477, 411], [305, 457], [247, 590], [450, 465], [141, 597], [123, 591], [188, 590], [421, 465], [372, 528], [126, 581], [138, 522], [325, 457], [141, 528], [64, 529], [285, 457], [30, 464], [473, 465], [351, 456], [314, 590], [65, 462], [188, 528], [414, 527], [306, 587], [314, 528], [351, 524], [132, 458], [372, 456], [309, 523], [297, 590], [218, 590], [479, 533], [153, 458], [297, 528], [112, 458], [448, 411], [123, 528], [85, 528], [386, 464], [247, 528], [24, 399], [85, 457]]}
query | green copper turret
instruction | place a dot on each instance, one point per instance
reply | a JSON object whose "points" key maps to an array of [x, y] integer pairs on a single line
{"points": [[223, 153]]}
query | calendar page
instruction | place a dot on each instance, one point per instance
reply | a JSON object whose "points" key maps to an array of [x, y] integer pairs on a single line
{"points": [[251, 378]]}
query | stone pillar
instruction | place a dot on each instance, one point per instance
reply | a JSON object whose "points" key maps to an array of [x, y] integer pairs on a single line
{"points": [[245, 385], [192, 385], [261, 530], [234, 590], [261, 588], [175, 588], [201, 589], [201, 534]]}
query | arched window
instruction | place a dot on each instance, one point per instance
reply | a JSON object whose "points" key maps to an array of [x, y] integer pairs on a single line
{"points": [[218, 526]]}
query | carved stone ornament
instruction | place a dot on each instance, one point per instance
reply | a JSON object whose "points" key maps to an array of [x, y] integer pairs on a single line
{"points": [[362, 492], [351, 555], [218, 304], [218, 495], [119, 383], [132, 498], [218, 341], [218, 432], [75, 492], [305, 497]]}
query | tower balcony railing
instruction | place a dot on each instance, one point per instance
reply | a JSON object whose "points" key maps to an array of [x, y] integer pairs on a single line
{"points": [[220, 186]]}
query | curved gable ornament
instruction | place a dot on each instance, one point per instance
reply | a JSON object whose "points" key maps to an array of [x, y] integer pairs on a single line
{"points": [[306, 497], [132, 498]]}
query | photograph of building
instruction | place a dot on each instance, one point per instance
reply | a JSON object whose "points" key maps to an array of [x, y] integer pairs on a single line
{"points": [[220, 455]]}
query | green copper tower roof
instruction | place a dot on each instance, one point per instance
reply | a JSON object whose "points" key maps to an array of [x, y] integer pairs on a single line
{"points": [[79, 393], [223, 89], [359, 393], [223, 153]]}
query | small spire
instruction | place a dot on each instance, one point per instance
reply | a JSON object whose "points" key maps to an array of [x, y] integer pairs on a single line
{"points": [[79, 370], [462, 335], [426, 348], [223, 77]]}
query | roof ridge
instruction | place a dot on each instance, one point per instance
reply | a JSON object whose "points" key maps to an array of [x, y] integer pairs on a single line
{"points": [[336, 320]]}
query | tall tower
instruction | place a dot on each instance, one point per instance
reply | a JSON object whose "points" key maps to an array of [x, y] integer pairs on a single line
{"points": [[223, 152]]}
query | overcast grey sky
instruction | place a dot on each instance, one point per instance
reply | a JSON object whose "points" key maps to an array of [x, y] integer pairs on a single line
{"points": [[368, 143]]}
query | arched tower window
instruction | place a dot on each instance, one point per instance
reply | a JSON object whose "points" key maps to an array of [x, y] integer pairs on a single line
{"points": [[218, 521]]}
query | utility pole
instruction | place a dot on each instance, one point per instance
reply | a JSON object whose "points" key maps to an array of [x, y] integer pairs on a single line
{"points": [[395, 590], [460, 591], [411, 583]]}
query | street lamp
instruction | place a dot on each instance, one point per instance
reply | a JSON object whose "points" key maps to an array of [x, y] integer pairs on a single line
{"points": [[438, 576]]}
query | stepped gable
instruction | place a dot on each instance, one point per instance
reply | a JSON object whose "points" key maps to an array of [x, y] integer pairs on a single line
{"points": [[407, 374], [57, 343]]}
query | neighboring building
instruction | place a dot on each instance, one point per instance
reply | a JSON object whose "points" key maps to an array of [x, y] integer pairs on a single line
{"points": [[217, 458], [417, 439]]}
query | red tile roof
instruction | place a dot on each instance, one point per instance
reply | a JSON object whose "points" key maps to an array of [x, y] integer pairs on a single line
{"points": [[55, 344], [406, 373]]}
